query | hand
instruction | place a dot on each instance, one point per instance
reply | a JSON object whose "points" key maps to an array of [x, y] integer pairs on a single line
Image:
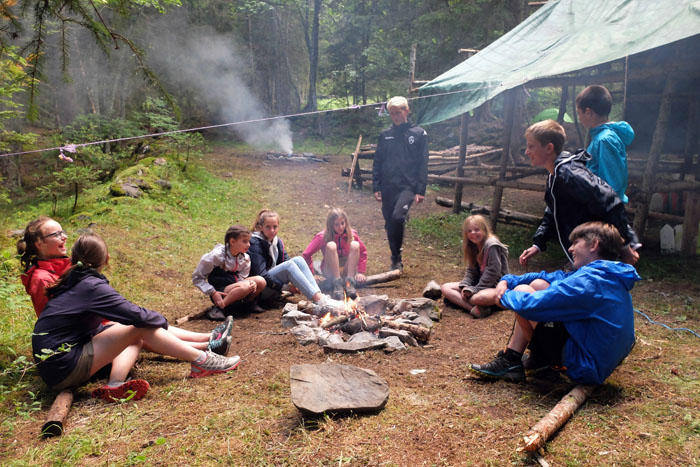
{"points": [[501, 288], [417, 199], [378, 195], [629, 256], [466, 294], [252, 287], [218, 298], [293, 289], [360, 278], [527, 254]]}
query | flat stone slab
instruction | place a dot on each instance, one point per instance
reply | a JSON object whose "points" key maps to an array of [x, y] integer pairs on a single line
{"points": [[352, 347], [320, 388]]}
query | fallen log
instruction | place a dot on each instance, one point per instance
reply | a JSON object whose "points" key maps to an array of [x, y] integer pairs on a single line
{"points": [[505, 215], [380, 278], [419, 332], [191, 316], [56, 418], [555, 419]]}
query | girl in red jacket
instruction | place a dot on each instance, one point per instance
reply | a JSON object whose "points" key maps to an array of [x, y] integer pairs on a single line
{"points": [[344, 254]]}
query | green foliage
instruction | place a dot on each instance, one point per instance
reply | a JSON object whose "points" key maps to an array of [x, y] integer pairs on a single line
{"points": [[155, 116], [13, 81], [188, 145]]}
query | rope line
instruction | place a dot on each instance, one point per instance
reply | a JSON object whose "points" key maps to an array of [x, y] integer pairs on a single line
{"points": [[667, 326], [72, 147]]}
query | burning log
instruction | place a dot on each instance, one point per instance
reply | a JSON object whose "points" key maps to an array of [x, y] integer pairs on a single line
{"points": [[555, 419], [56, 418], [419, 332], [335, 321], [359, 324]]}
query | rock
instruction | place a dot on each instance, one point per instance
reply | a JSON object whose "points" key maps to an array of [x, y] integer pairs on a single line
{"points": [[409, 315], [17, 233], [289, 307], [352, 347], [304, 334], [131, 190], [374, 304], [405, 336], [393, 343], [363, 336], [432, 290], [295, 318], [160, 161], [317, 389], [423, 320], [164, 184], [327, 338]]}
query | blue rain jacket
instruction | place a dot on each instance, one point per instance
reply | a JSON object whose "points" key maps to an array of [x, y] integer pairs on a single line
{"points": [[594, 305], [609, 156]]}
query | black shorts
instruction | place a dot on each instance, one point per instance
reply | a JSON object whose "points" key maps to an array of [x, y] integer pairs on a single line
{"points": [[547, 343], [220, 279]]}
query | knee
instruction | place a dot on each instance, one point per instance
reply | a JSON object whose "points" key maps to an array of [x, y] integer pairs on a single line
{"points": [[539, 284], [524, 288], [260, 282], [331, 248], [354, 246]]}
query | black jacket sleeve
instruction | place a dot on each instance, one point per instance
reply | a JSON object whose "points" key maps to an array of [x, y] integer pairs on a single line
{"points": [[422, 172], [377, 165], [258, 264]]}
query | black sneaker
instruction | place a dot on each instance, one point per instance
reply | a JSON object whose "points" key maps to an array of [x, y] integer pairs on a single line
{"points": [[338, 292], [500, 368], [214, 313], [350, 288], [396, 264]]}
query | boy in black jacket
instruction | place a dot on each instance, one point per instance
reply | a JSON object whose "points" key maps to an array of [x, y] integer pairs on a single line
{"points": [[400, 173], [574, 195]]}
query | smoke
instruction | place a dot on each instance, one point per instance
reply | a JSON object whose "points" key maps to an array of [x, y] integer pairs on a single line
{"points": [[208, 64]]}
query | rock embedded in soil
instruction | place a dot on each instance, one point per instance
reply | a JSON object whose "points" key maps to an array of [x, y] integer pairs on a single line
{"points": [[352, 347], [432, 290], [405, 336], [321, 388], [304, 334]]}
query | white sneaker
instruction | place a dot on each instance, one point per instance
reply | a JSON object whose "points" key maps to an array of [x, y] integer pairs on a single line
{"points": [[329, 302]]}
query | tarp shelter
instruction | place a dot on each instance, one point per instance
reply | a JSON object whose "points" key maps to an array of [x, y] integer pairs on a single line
{"points": [[561, 37]]}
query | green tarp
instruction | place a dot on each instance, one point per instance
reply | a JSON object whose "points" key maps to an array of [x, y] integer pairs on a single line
{"points": [[561, 37]]}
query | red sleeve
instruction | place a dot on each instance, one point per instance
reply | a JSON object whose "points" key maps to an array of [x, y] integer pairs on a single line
{"points": [[315, 245], [362, 263]]}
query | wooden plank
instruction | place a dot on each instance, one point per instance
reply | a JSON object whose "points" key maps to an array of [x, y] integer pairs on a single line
{"points": [[354, 163], [689, 242]]}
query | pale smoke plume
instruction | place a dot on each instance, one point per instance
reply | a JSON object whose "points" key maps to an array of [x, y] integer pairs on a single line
{"points": [[206, 62]]}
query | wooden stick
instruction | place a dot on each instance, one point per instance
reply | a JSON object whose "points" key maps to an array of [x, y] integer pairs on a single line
{"points": [[419, 332], [555, 419], [56, 418], [382, 277], [190, 317], [337, 320], [354, 162]]}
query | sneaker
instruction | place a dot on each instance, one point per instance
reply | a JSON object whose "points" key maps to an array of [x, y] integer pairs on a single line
{"points": [[131, 390], [253, 307], [222, 330], [329, 302], [396, 263], [350, 288], [214, 364], [478, 312], [500, 368], [220, 346], [338, 292]]}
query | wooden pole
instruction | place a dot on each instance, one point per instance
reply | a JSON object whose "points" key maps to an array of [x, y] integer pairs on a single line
{"points": [[56, 418], [412, 68], [507, 133], [463, 134], [380, 278], [562, 103], [354, 162], [657, 142], [689, 242], [190, 317], [555, 419]]}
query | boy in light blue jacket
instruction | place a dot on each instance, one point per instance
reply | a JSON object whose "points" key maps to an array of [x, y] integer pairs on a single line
{"points": [[580, 321]]}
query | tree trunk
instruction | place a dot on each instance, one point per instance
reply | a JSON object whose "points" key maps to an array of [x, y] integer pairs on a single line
{"points": [[312, 103]]}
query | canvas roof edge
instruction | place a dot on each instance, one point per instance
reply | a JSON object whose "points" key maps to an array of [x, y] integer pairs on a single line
{"points": [[505, 64]]}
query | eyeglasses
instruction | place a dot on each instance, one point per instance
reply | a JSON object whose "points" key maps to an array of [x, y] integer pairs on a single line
{"points": [[58, 233]]}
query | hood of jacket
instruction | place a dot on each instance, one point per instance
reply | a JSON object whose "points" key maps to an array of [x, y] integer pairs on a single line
{"points": [[624, 273], [622, 129], [55, 266]]}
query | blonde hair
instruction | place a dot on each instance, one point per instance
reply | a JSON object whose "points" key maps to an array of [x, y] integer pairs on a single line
{"points": [[262, 216], [333, 214], [471, 250], [548, 131], [398, 102], [89, 251]]}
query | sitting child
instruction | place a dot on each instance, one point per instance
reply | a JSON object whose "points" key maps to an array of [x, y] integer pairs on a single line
{"points": [[223, 274], [487, 262], [271, 261], [70, 328], [344, 255], [42, 251], [581, 320]]}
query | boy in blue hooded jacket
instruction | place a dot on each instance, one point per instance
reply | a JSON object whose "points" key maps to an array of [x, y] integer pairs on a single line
{"points": [[581, 320], [608, 139]]}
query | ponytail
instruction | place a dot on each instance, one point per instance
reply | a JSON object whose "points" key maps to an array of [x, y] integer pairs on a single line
{"points": [[26, 246]]}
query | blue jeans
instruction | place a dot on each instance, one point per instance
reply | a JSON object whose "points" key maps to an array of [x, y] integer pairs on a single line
{"points": [[298, 273]]}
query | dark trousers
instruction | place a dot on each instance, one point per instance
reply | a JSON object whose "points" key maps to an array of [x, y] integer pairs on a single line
{"points": [[395, 206]]}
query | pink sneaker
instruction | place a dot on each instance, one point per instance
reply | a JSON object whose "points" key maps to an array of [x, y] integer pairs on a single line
{"points": [[131, 390]]}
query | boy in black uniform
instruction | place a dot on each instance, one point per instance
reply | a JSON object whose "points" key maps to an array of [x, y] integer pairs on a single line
{"points": [[400, 173]]}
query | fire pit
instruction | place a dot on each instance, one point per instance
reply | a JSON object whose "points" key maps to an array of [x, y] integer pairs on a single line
{"points": [[371, 322], [295, 157]]}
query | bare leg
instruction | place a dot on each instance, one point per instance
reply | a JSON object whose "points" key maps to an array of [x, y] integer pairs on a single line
{"points": [[331, 265], [189, 336], [247, 288], [451, 292], [522, 332], [353, 259], [539, 284], [484, 297]]}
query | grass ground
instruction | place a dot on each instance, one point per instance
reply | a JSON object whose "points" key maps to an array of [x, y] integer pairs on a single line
{"points": [[645, 414]]}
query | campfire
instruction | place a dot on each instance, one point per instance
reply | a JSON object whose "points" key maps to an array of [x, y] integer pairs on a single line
{"points": [[371, 322], [295, 157]]}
